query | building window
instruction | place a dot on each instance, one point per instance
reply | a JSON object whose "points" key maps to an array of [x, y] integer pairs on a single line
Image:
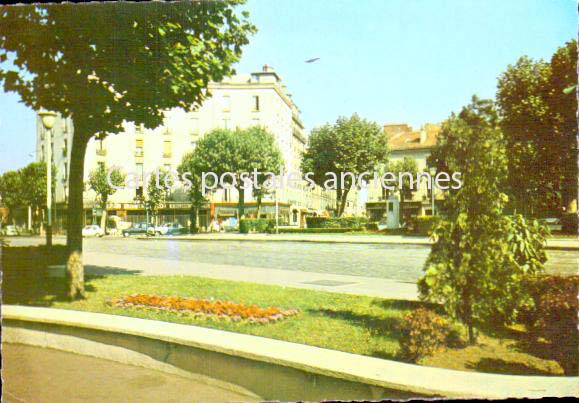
{"points": [[139, 129], [225, 123], [65, 172], [255, 122], [167, 131], [139, 148], [167, 167], [193, 144], [101, 165], [226, 102], [65, 148], [139, 192], [167, 149], [255, 103], [64, 125]]}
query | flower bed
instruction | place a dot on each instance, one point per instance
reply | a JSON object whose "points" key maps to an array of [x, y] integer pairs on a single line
{"points": [[203, 308]]}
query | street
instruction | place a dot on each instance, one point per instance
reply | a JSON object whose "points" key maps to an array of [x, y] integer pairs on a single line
{"points": [[402, 263]]}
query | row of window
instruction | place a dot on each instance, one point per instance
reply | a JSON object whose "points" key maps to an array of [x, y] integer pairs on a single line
{"points": [[226, 103]]}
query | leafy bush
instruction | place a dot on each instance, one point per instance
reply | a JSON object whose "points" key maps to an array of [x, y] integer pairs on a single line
{"points": [[336, 222], [553, 316], [423, 332], [423, 225], [317, 230], [476, 268], [256, 225]]}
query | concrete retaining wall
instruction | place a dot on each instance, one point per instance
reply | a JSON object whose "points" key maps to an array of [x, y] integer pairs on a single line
{"points": [[269, 369]]}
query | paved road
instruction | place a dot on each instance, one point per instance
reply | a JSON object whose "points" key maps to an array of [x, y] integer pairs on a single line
{"points": [[32, 374], [396, 262]]}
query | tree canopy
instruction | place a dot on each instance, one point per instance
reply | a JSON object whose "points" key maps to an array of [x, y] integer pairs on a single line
{"points": [[237, 151], [538, 117], [103, 64], [480, 255], [352, 145]]}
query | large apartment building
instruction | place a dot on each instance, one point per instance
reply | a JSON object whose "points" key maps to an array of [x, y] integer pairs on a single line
{"points": [[258, 98]]}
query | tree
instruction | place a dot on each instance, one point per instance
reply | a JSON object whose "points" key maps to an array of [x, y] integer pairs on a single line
{"points": [[104, 186], [480, 256], [408, 189], [538, 119], [238, 151], [352, 145], [11, 192], [157, 191], [25, 187], [190, 167], [66, 61]]}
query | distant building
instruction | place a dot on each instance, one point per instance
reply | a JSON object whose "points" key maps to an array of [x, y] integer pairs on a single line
{"points": [[241, 101], [405, 142]]}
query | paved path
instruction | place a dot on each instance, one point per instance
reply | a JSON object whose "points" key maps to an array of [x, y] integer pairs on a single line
{"points": [[111, 263], [33, 374]]}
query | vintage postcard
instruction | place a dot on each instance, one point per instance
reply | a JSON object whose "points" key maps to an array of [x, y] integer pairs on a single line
{"points": [[289, 200]]}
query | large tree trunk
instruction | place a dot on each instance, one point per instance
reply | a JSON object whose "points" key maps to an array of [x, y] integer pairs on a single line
{"points": [[75, 213], [104, 217], [241, 202], [193, 219], [258, 208], [339, 193], [344, 199]]}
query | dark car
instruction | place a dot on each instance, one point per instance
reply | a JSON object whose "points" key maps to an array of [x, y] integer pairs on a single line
{"points": [[141, 228]]}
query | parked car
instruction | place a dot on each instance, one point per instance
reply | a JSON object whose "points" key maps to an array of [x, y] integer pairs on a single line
{"points": [[10, 230], [92, 230], [141, 228], [176, 229]]}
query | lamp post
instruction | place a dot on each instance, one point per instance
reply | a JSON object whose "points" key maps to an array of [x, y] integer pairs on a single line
{"points": [[432, 173], [48, 119]]}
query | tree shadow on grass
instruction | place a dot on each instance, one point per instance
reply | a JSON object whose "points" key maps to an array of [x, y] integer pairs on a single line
{"points": [[386, 326], [45, 291], [499, 366]]}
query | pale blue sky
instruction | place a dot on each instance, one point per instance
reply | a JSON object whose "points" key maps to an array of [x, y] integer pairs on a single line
{"points": [[409, 61]]}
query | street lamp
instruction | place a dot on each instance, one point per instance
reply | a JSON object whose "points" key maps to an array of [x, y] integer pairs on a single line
{"points": [[432, 173], [48, 119]]}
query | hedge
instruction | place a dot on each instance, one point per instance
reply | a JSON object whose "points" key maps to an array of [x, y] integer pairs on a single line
{"points": [[317, 230], [336, 222], [247, 225]]}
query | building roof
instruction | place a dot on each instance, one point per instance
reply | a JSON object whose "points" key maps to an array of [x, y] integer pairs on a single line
{"points": [[402, 137]]}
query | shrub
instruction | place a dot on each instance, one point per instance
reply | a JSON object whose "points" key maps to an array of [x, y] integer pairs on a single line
{"points": [[317, 230], [256, 225], [553, 316], [424, 332], [336, 222], [423, 225]]}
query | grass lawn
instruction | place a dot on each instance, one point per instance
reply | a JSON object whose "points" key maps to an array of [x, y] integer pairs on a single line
{"points": [[356, 324]]}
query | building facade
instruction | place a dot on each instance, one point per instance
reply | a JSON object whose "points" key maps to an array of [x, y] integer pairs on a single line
{"points": [[404, 142], [257, 99]]}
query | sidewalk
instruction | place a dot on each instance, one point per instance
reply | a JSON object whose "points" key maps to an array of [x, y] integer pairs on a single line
{"points": [[552, 243], [111, 264]]}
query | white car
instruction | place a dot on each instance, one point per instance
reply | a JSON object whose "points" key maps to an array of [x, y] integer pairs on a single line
{"points": [[162, 229], [92, 230], [10, 230]]}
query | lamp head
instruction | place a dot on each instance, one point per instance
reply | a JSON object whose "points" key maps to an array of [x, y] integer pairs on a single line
{"points": [[48, 118]]}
